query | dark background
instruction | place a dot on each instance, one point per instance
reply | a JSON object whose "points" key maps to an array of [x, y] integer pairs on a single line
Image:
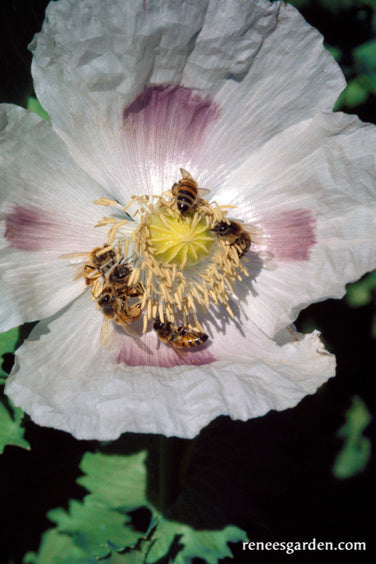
{"points": [[272, 475]]}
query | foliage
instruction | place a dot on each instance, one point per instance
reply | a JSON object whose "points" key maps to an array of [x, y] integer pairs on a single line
{"points": [[363, 293], [101, 526], [8, 342], [359, 64], [34, 106], [11, 430], [356, 451]]}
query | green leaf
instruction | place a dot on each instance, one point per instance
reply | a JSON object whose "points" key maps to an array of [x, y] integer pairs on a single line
{"points": [[355, 93], [189, 543], [334, 51], [120, 483], [56, 548], [99, 527], [8, 342], [59, 548], [361, 293], [371, 81], [34, 106], [354, 456], [365, 57], [117, 481], [11, 431], [96, 529]]}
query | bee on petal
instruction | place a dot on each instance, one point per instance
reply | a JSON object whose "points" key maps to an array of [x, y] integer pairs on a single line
{"points": [[178, 337]]}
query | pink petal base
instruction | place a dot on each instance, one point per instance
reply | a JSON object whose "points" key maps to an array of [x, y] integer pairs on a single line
{"points": [[149, 351], [291, 234], [169, 123], [31, 229]]}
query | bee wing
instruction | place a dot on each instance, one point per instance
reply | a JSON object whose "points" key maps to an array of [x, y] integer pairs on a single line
{"points": [[129, 330], [257, 235], [203, 192], [74, 258], [178, 351], [132, 333], [105, 336], [78, 273], [185, 174]]}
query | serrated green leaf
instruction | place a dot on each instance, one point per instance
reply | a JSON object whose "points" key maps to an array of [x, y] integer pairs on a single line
{"points": [[34, 106], [354, 456], [56, 548], [11, 430], [8, 342], [117, 481], [96, 529], [99, 528], [59, 548], [190, 543]]}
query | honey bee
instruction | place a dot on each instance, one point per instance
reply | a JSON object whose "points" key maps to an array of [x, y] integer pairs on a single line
{"points": [[120, 305], [186, 192], [120, 272], [235, 235], [100, 262], [179, 337]]}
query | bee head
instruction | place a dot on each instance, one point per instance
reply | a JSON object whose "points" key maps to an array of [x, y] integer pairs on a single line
{"points": [[104, 299], [120, 272], [183, 205], [158, 325], [220, 227]]}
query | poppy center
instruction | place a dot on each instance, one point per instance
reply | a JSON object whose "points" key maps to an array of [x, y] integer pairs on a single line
{"points": [[176, 239], [167, 261]]}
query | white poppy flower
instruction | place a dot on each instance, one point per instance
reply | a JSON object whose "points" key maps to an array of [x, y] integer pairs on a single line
{"points": [[239, 96]]}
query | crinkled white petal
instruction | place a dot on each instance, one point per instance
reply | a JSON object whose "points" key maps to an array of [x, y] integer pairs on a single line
{"points": [[37, 171], [94, 57], [322, 171], [10, 316], [63, 378], [47, 210], [267, 84], [36, 286]]}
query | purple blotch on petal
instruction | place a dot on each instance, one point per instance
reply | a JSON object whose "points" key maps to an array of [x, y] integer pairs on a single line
{"points": [[291, 234], [30, 229], [169, 122]]}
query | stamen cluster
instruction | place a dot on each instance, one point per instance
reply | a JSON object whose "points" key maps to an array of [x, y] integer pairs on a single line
{"points": [[167, 268]]}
